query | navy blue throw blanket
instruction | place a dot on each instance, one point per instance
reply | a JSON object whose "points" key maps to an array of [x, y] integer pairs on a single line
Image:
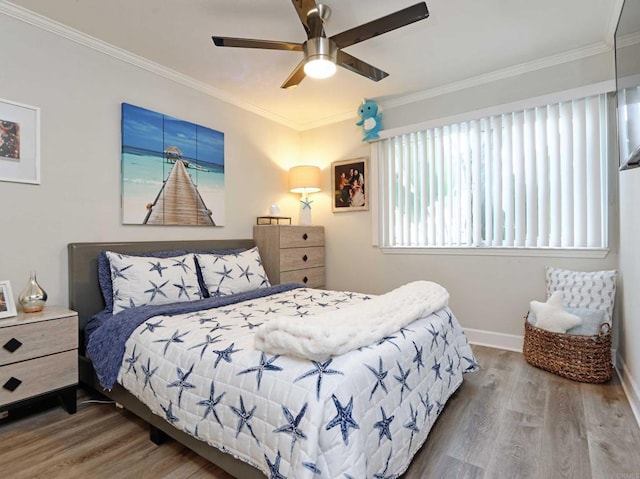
{"points": [[109, 333]]}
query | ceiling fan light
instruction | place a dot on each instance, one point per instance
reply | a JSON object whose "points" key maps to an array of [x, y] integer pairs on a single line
{"points": [[319, 67]]}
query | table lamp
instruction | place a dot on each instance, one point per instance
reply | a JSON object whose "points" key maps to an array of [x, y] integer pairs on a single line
{"points": [[305, 179]]}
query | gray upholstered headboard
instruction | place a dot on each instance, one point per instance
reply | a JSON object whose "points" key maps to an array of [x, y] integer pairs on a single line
{"points": [[85, 296]]}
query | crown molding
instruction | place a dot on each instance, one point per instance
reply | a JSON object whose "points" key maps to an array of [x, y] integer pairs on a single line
{"points": [[57, 28], [612, 24], [497, 75], [628, 40]]}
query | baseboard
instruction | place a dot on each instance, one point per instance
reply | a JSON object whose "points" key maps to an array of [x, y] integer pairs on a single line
{"points": [[630, 388], [510, 342]]}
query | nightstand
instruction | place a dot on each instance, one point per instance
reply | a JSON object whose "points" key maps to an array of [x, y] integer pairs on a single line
{"points": [[292, 254], [39, 357]]}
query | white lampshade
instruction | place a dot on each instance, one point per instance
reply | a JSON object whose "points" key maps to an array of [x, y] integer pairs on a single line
{"points": [[305, 179]]}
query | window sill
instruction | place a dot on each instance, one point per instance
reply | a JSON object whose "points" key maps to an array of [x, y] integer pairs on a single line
{"points": [[596, 253]]}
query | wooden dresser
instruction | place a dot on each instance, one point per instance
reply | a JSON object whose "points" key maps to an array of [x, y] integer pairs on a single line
{"points": [[39, 357], [292, 254]]}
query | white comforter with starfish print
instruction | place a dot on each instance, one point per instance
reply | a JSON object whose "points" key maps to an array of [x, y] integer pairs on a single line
{"points": [[361, 414]]}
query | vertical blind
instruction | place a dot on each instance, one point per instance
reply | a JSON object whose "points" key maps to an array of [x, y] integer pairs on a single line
{"points": [[531, 178]]}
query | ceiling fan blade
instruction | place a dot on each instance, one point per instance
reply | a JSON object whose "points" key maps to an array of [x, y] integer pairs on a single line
{"points": [[382, 25], [297, 75], [303, 7], [356, 65], [248, 43]]}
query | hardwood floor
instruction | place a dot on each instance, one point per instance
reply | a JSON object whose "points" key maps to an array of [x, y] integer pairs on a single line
{"points": [[509, 420]]}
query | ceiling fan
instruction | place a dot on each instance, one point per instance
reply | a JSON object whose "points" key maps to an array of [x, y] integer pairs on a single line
{"points": [[322, 54]]}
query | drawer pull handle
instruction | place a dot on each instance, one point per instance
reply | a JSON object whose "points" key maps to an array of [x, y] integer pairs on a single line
{"points": [[305, 236], [12, 384], [12, 345], [305, 258], [305, 280]]}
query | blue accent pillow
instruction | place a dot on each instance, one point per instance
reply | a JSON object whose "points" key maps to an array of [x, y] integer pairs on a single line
{"points": [[591, 321]]}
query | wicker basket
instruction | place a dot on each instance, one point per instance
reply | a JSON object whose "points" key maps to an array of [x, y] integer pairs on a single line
{"points": [[581, 358]]}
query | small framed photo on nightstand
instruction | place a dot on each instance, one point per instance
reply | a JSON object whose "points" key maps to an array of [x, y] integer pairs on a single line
{"points": [[7, 306]]}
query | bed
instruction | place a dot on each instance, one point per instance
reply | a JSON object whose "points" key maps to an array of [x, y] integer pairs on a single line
{"points": [[287, 409]]}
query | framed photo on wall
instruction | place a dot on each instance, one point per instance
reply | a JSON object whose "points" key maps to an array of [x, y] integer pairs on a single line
{"points": [[350, 180], [7, 306], [19, 142]]}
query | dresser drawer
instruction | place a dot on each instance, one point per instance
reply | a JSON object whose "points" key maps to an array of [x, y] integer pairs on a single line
{"points": [[300, 258], [37, 339], [311, 277], [38, 376], [300, 236]]}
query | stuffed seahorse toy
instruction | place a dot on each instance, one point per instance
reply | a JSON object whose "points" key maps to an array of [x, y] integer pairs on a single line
{"points": [[370, 120]]}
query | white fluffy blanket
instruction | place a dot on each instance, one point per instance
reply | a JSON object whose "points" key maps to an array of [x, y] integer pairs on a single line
{"points": [[343, 330]]}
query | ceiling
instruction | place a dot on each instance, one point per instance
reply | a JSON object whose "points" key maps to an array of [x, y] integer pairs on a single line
{"points": [[460, 41]]}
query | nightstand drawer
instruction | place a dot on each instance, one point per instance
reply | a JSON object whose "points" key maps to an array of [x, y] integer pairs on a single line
{"points": [[38, 376], [300, 236], [37, 339], [311, 277], [300, 258]]}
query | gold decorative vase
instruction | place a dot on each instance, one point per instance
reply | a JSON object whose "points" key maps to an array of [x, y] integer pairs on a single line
{"points": [[32, 297]]}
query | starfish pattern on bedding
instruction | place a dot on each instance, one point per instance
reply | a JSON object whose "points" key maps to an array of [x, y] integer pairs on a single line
{"points": [[151, 327], [387, 339], [428, 407], [250, 325], [157, 267], [383, 474], [412, 425], [402, 379], [312, 467], [118, 273], [264, 281], [404, 330], [274, 467], [320, 370], [473, 365], [418, 357], [155, 290], [211, 403], [176, 337], [132, 360], [292, 427], [148, 373], [182, 263], [440, 407], [168, 413], [183, 288], [383, 426], [343, 418], [434, 336], [245, 273], [225, 273], [450, 369], [436, 368], [444, 336], [380, 375], [244, 417], [225, 354], [220, 327], [181, 383], [209, 340], [265, 365]]}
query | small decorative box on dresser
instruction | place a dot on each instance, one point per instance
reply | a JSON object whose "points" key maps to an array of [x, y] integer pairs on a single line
{"points": [[292, 254], [39, 357]]}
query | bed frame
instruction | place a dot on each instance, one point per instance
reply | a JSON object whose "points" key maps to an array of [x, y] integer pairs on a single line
{"points": [[85, 297]]}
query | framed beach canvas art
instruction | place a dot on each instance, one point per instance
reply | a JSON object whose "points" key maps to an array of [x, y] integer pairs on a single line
{"points": [[172, 170], [19, 142], [350, 182]]}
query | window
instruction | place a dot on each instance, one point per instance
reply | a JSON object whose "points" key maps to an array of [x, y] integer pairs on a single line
{"points": [[532, 178]]}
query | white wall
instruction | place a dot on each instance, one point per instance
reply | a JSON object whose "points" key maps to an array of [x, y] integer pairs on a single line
{"points": [[488, 293], [80, 92]]}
